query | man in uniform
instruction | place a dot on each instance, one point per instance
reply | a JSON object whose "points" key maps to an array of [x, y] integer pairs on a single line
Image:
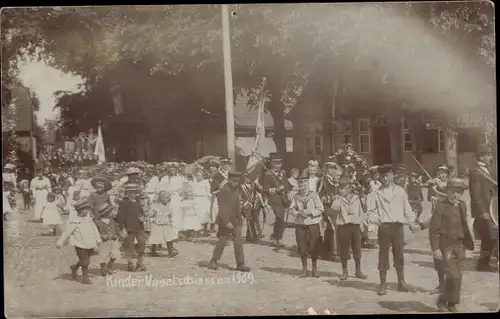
{"points": [[230, 220], [251, 192], [390, 209], [276, 186], [328, 191], [437, 185], [482, 189], [450, 236], [217, 181]]}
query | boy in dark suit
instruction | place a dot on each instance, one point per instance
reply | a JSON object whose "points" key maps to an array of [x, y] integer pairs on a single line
{"points": [[415, 195], [450, 236], [131, 219], [230, 220]]}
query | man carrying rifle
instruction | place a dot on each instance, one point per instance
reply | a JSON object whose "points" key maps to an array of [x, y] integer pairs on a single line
{"points": [[252, 204], [276, 186]]}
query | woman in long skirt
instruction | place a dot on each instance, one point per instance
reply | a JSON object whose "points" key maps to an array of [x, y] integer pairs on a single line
{"points": [[202, 199], [40, 188]]}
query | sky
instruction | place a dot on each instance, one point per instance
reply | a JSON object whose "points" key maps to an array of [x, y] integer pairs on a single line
{"points": [[45, 80]]}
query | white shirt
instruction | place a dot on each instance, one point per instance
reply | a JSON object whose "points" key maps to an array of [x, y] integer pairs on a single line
{"points": [[389, 205]]}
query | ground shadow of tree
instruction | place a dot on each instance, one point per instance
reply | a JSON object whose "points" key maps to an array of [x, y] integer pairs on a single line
{"points": [[204, 264], [407, 306], [371, 286], [491, 306], [296, 272], [469, 264]]}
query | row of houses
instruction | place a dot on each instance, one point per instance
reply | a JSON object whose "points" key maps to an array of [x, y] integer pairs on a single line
{"points": [[376, 134]]}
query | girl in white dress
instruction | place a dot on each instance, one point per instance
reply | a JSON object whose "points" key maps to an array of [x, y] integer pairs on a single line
{"points": [[163, 230], [173, 183], [190, 220], [50, 214], [202, 198]]}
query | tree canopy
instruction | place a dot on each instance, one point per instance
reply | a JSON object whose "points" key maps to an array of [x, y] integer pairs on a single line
{"points": [[366, 45]]}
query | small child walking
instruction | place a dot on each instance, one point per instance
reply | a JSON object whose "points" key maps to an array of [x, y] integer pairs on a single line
{"points": [[50, 214], [82, 233], [350, 218], [163, 230], [109, 249], [415, 195]]}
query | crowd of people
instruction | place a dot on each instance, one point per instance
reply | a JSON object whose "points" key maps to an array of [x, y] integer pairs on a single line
{"points": [[335, 212]]}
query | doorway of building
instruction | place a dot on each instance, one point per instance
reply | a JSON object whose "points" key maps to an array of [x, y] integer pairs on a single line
{"points": [[381, 145]]}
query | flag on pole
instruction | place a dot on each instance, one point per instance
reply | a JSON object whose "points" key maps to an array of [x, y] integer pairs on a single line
{"points": [[260, 135], [99, 148]]}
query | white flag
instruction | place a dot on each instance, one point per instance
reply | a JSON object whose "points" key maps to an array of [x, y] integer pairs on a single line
{"points": [[99, 148], [260, 135]]}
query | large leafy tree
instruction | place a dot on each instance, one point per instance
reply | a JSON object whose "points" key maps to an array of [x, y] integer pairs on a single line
{"points": [[288, 44]]}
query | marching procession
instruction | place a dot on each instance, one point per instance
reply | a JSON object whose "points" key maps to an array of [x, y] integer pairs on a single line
{"points": [[335, 210]]}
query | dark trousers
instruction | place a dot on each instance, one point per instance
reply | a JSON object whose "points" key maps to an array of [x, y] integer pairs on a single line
{"points": [[253, 225], [279, 223], [330, 245], [417, 208], [308, 239], [488, 233], [349, 237], [26, 200], [390, 235], [128, 243], [453, 258], [223, 235], [83, 256]]}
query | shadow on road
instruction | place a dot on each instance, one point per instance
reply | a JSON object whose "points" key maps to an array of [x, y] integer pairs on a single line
{"points": [[468, 265], [204, 264], [296, 272], [418, 252], [371, 286], [491, 306], [407, 306]]}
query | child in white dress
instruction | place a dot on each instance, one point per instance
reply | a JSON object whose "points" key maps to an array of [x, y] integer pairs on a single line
{"points": [[82, 233], [163, 230], [50, 214], [190, 220]]}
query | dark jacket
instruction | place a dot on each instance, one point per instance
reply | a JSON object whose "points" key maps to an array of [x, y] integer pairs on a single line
{"points": [[130, 215], [271, 180], [230, 206], [481, 192], [414, 191], [447, 224]]}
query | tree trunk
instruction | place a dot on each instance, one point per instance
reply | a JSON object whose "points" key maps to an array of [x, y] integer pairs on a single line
{"points": [[450, 149], [277, 111]]}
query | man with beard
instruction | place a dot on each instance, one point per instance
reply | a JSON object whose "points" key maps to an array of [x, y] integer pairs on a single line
{"points": [[328, 191], [482, 189], [276, 186]]}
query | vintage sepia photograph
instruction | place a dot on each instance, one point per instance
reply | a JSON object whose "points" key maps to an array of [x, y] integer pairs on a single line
{"points": [[249, 159]]}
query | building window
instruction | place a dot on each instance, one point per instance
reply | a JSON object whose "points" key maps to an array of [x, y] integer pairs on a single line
{"points": [[468, 139], [434, 140], [407, 138], [199, 146], [364, 135], [342, 134], [314, 139]]}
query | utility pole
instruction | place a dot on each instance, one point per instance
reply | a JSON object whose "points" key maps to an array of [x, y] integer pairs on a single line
{"points": [[228, 84]]}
